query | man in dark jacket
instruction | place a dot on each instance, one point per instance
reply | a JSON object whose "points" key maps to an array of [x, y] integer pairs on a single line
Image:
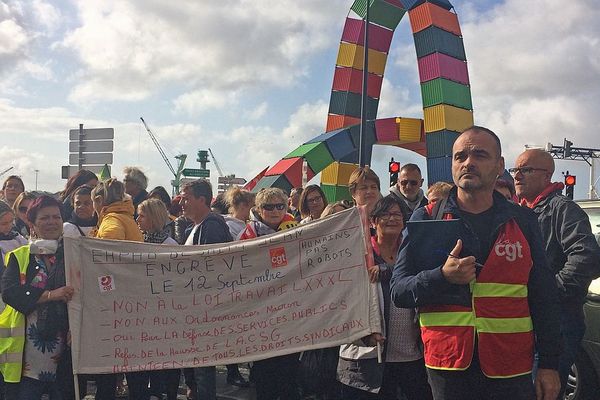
{"points": [[408, 188], [571, 248], [494, 285]]}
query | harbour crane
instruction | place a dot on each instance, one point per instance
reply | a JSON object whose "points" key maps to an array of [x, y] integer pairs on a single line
{"points": [[6, 170], [216, 163], [180, 158]]}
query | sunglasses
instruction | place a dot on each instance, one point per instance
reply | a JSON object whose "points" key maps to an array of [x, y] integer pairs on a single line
{"points": [[315, 200], [525, 170], [271, 207], [407, 182]]}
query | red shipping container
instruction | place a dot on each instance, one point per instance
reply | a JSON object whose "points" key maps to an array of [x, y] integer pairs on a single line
{"points": [[428, 14], [438, 65], [418, 147], [380, 38], [396, 3], [350, 80], [386, 130], [335, 122], [291, 168]]}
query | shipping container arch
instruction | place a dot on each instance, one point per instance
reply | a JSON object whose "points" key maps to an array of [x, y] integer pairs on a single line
{"points": [[445, 92]]}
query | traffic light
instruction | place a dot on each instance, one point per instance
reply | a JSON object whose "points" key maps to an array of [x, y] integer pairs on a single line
{"points": [[567, 148], [394, 168], [570, 181]]}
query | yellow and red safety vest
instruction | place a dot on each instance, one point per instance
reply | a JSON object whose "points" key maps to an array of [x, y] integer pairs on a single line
{"points": [[498, 315]]}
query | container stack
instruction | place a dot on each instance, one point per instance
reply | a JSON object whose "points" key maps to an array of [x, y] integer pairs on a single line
{"points": [[445, 88]]}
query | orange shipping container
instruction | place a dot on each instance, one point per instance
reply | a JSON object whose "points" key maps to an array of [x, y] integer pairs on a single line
{"points": [[335, 122], [428, 14], [352, 55], [443, 116]]}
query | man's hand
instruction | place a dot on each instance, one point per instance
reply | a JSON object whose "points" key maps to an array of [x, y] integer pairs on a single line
{"points": [[373, 271], [459, 271], [547, 384]]}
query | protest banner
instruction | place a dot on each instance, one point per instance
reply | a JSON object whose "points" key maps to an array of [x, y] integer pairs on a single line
{"points": [[141, 306]]}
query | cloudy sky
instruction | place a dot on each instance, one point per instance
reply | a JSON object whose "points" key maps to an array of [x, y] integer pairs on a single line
{"points": [[251, 79]]}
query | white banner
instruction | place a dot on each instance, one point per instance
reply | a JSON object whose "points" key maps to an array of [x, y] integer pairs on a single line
{"points": [[142, 306]]}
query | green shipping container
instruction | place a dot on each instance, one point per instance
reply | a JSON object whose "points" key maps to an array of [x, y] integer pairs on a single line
{"points": [[278, 181], [380, 12], [316, 155], [443, 91], [335, 193], [434, 39]]}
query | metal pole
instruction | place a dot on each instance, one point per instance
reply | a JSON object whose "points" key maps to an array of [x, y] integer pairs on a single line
{"points": [[363, 109], [80, 159], [592, 191], [36, 178]]}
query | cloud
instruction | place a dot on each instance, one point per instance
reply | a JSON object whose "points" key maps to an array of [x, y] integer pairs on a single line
{"points": [[258, 112], [201, 100], [127, 47], [535, 70]]}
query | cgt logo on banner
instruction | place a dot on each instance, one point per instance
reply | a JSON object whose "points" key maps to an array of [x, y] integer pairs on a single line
{"points": [[106, 283], [278, 258]]}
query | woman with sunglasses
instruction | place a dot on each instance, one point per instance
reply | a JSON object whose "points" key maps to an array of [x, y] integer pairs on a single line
{"points": [[362, 376], [312, 203], [20, 207], [274, 377]]}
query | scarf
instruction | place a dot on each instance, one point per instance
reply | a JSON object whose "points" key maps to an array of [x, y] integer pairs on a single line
{"points": [[75, 220], [551, 188], [52, 316], [159, 236]]}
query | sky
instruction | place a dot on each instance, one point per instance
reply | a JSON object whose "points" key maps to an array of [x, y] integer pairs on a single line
{"points": [[251, 79]]}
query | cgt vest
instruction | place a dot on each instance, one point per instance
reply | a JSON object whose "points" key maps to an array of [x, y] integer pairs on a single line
{"points": [[12, 327], [499, 316]]}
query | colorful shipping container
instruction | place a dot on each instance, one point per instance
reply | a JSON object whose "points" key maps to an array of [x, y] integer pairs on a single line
{"points": [[445, 117], [379, 38], [350, 80], [338, 173], [352, 55], [443, 91], [440, 143], [434, 39], [381, 12], [428, 14], [346, 103], [438, 65]]}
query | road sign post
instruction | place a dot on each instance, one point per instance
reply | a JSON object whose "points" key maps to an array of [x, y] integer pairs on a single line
{"points": [[89, 149]]}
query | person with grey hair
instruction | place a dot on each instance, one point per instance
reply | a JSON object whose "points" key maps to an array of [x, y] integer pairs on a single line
{"points": [[136, 183], [10, 239]]}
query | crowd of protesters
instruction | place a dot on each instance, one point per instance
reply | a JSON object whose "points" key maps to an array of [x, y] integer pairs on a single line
{"points": [[36, 359]]}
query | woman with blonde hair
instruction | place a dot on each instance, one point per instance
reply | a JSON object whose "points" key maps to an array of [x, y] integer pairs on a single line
{"points": [[274, 377], [240, 203], [115, 212], [153, 220]]}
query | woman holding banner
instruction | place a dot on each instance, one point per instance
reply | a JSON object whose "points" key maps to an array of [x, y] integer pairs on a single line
{"points": [[274, 377], [153, 220], [34, 289], [364, 378]]}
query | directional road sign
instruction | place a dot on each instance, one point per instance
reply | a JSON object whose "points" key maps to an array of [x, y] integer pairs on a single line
{"points": [[198, 173], [228, 180], [91, 158], [91, 146], [70, 170], [93, 134]]}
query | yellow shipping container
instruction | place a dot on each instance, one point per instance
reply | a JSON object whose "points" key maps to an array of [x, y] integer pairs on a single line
{"points": [[409, 129], [337, 173], [351, 55], [447, 117]]}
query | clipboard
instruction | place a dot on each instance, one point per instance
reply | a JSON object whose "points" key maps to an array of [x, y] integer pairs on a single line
{"points": [[431, 241]]}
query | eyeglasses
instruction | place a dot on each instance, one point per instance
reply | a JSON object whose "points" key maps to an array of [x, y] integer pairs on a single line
{"points": [[23, 209], [271, 207], [407, 182], [316, 199], [388, 216], [525, 170]]}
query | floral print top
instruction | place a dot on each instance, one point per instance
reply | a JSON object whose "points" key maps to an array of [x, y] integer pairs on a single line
{"points": [[41, 356]]}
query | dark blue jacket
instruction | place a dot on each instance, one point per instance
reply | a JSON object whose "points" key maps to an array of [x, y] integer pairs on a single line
{"points": [[412, 286]]}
